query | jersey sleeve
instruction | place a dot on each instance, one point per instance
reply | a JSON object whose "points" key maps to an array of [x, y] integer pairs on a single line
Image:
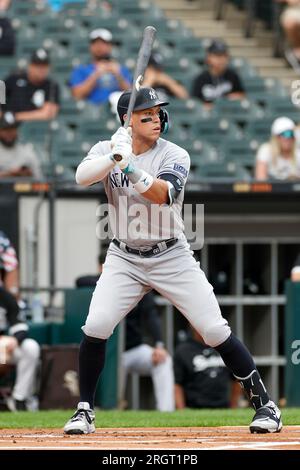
{"points": [[176, 162], [98, 150]]}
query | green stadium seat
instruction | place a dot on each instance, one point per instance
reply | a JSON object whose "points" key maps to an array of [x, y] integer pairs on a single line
{"points": [[258, 131], [8, 65], [69, 154], [243, 67], [282, 106], [216, 131], [93, 131], [72, 112], [223, 171], [239, 111], [188, 46], [261, 90], [242, 152], [186, 112], [201, 153]]}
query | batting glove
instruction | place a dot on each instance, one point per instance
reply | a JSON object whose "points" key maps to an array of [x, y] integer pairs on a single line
{"points": [[123, 149], [122, 135]]}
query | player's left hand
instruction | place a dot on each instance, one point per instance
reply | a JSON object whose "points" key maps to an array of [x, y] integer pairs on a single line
{"points": [[159, 355], [122, 135], [121, 143]]}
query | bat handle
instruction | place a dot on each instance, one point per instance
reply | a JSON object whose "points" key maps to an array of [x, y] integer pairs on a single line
{"points": [[117, 157]]}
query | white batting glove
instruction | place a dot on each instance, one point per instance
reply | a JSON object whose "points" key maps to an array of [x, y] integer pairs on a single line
{"points": [[125, 150], [122, 135]]}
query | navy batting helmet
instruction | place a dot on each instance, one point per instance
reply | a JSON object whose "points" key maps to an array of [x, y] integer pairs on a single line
{"points": [[146, 98]]}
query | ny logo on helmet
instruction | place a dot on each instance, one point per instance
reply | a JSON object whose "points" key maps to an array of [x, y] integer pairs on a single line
{"points": [[152, 94]]}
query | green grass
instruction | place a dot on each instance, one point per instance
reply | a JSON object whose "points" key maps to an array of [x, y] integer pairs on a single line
{"points": [[111, 419]]}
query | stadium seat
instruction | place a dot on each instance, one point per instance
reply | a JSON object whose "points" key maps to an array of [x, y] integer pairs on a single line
{"points": [[259, 131], [281, 106], [92, 131], [215, 131], [239, 111], [222, 170], [242, 152], [243, 67], [261, 89], [186, 112]]}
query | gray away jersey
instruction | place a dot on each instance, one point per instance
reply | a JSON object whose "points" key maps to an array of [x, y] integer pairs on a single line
{"points": [[134, 219]]}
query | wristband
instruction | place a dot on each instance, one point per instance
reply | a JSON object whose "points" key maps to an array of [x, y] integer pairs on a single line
{"points": [[144, 183]]}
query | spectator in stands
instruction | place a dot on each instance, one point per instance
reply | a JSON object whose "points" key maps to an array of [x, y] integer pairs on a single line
{"points": [[15, 347], [295, 272], [290, 21], [201, 378], [280, 157], [219, 80], [164, 84], [138, 356], [7, 34], [31, 95], [16, 159], [95, 81]]}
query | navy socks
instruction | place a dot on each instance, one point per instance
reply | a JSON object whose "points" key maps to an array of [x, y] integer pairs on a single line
{"points": [[238, 359], [91, 363]]}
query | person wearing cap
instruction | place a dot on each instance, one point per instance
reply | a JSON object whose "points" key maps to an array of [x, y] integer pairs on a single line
{"points": [[31, 95], [164, 84], [95, 81], [16, 159], [144, 177], [280, 157], [219, 80]]}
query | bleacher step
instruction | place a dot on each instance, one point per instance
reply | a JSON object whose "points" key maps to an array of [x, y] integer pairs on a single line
{"points": [[199, 16]]}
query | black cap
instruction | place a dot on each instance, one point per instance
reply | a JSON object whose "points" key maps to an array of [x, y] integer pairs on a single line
{"points": [[40, 56], [8, 121], [146, 98], [217, 46], [156, 60]]}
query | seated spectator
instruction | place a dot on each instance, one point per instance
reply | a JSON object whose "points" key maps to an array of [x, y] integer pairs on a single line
{"points": [[15, 347], [295, 272], [138, 356], [163, 83], [280, 157], [219, 80], [7, 34], [95, 81], [16, 159], [290, 21], [201, 378], [31, 95]]}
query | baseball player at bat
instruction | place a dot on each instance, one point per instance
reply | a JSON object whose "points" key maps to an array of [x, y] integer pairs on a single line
{"points": [[150, 175]]}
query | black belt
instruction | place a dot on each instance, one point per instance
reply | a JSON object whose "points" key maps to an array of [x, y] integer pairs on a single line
{"points": [[147, 252]]}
